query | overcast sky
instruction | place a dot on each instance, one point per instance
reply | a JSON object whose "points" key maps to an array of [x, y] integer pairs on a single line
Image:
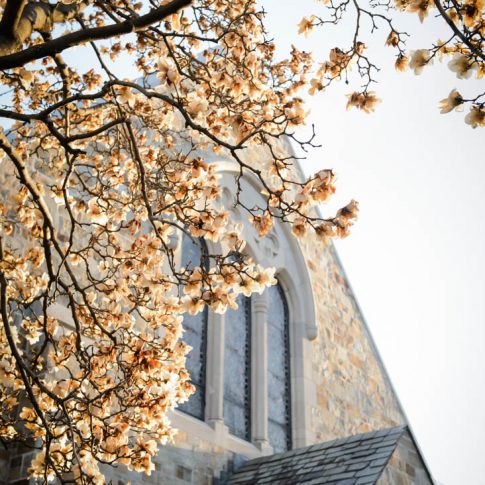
{"points": [[416, 257]]}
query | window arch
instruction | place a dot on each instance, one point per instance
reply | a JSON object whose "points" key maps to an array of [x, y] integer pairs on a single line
{"points": [[277, 398], [194, 253], [237, 369], [279, 383]]}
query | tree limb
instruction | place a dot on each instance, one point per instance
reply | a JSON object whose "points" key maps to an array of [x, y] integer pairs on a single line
{"points": [[458, 32], [20, 20], [11, 17], [50, 48]]}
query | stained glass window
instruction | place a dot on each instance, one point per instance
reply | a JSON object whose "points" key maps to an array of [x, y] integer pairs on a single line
{"points": [[193, 254], [237, 367], [279, 412]]}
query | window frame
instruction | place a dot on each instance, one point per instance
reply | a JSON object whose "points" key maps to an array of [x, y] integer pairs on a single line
{"points": [[247, 407], [294, 279]]}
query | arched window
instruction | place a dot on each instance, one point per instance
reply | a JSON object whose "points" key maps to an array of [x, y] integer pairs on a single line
{"points": [[194, 253], [237, 369], [259, 397], [279, 384]]}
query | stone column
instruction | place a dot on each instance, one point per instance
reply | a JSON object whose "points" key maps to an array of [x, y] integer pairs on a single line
{"points": [[303, 393], [214, 412], [259, 372]]}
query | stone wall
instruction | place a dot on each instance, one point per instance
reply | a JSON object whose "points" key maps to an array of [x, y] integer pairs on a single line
{"points": [[189, 460], [354, 394], [405, 466]]}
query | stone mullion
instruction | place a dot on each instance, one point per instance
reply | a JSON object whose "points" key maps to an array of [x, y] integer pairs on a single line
{"points": [[259, 371], [215, 370]]}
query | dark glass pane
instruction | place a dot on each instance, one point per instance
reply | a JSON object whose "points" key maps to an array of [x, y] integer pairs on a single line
{"points": [[195, 335], [279, 412], [237, 397], [194, 252]]}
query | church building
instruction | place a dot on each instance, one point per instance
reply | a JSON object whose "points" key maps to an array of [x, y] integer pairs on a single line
{"points": [[290, 388]]}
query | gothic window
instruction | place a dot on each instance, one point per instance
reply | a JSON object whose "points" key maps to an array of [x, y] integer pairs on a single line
{"points": [[279, 412], [237, 396], [241, 363], [193, 254]]}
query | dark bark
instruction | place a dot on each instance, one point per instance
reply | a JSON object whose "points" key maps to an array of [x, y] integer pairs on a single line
{"points": [[20, 19], [55, 46], [458, 32], [11, 17]]}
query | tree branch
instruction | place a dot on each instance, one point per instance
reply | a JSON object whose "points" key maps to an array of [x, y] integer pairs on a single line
{"points": [[11, 17], [50, 48], [458, 32], [20, 20]]}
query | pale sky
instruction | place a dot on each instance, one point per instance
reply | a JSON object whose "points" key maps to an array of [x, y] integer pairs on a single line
{"points": [[416, 257]]}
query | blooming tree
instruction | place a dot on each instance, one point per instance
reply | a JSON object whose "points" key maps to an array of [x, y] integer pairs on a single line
{"points": [[464, 48], [101, 174]]}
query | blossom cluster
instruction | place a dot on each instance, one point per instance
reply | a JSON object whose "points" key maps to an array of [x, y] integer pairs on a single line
{"points": [[464, 49]]}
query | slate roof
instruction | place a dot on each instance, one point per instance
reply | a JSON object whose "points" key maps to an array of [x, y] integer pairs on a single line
{"points": [[356, 460]]}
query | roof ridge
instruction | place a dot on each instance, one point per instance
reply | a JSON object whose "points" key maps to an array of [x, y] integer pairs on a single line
{"points": [[363, 456]]}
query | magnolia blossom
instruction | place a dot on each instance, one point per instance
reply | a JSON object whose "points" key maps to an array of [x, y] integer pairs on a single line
{"points": [[126, 96], [476, 117], [298, 227], [453, 100], [338, 61], [462, 66], [306, 25], [265, 277], [473, 12], [232, 237], [197, 106], [262, 223], [325, 231], [363, 101], [166, 72], [401, 63], [315, 85], [392, 39], [419, 59], [96, 212], [193, 305], [348, 212], [421, 7], [26, 75]]}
